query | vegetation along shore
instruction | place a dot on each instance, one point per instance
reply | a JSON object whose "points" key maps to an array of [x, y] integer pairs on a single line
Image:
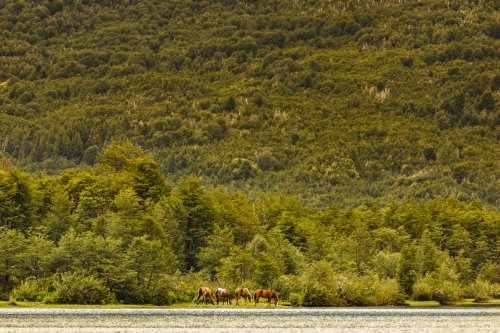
{"points": [[340, 153]]}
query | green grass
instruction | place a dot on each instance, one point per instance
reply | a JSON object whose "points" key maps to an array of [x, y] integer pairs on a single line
{"points": [[464, 302], [8, 304]]}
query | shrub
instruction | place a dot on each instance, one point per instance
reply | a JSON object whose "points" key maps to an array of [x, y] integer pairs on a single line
{"points": [[387, 292], [422, 291], [32, 290], [447, 292], [372, 291], [80, 288], [287, 285], [162, 296], [296, 299], [481, 291], [322, 285]]}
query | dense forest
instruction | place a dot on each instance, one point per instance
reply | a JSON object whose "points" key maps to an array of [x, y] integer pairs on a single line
{"points": [[120, 232], [336, 101], [339, 152]]}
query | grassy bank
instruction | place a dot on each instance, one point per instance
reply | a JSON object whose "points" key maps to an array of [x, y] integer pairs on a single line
{"points": [[417, 304]]}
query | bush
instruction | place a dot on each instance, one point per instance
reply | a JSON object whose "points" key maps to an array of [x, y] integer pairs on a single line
{"points": [[80, 288], [161, 296], [422, 291], [371, 291], [387, 292], [286, 285], [32, 290], [447, 292], [322, 285], [296, 299], [435, 288], [481, 291]]}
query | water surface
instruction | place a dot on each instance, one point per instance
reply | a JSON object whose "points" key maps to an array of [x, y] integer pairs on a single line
{"points": [[250, 320]]}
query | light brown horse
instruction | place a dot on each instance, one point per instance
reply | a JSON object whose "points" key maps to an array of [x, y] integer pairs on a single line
{"points": [[266, 293], [205, 292], [221, 293], [242, 292]]}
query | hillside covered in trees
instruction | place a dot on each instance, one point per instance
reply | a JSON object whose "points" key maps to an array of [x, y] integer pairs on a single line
{"points": [[339, 152], [338, 102]]}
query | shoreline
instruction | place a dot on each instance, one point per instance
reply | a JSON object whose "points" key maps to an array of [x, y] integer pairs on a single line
{"points": [[408, 304]]}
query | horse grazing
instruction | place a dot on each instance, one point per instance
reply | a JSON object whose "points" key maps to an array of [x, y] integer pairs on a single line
{"points": [[223, 293], [266, 293], [242, 292], [205, 292]]}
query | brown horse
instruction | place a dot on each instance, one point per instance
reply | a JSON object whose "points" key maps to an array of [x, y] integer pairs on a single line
{"points": [[266, 293], [205, 292], [242, 292], [223, 293]]}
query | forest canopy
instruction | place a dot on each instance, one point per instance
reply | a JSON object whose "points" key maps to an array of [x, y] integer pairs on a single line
{"points": [[99, 235], [339, 152], [339, 102]]}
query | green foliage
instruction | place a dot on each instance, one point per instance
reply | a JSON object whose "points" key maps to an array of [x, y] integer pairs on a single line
{"points": [[80, 288], [15, 200], [407, 270], [321, 285], [296, 299], [338, 102], [365, 290], [93, 236], [33, 290]]}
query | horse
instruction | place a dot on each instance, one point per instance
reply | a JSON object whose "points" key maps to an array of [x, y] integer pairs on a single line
{"points": [[266, 293], [242, 292], [206, 293], [223, 293]]}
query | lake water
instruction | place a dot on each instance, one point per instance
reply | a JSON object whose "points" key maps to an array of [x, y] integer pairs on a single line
{"points": [[250, 320]]}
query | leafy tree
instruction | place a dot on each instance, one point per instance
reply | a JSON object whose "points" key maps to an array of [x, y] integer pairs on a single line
{"points": [[218, 246], [150, 259], [35, 260], [15, 200], [407, 270], [13, 245], [148, 181], [321, 285], [238, 267], [199, 218]]}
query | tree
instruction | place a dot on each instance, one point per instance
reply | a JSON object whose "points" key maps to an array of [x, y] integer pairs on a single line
{"points": [[218, 246], [35, 260], [199, 219], [15, 200], [13, 245], [321, 285], [147, 179], [59, 219], [230, 104], [238, 267], [407, 270], [150, 259], [487, 101]]}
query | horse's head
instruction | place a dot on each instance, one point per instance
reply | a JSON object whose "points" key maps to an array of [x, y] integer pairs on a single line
{"points": [[276, 298]]}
